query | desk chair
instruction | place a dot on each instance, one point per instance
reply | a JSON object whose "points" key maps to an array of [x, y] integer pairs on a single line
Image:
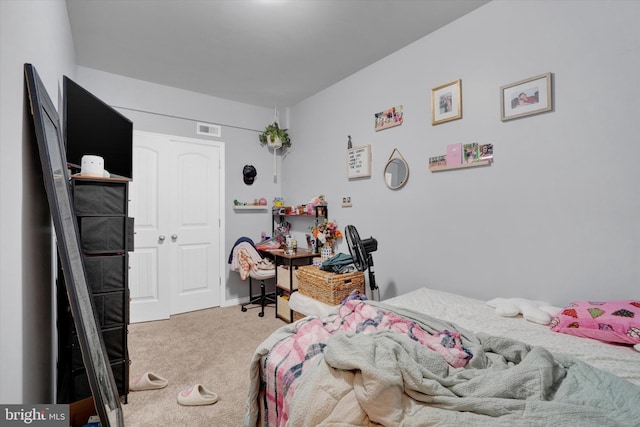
{"points": [[263, 299], [245, 261]]}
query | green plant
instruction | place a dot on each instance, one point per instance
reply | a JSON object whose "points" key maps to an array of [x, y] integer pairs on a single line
{"points": [[271, 132]]}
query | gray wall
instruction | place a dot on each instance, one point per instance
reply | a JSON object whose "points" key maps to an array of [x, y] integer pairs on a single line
{"points": [[37, 32], [556, 217], [162, 109]]}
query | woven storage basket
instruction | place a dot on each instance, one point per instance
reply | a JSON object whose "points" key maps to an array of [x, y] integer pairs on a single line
{"points": [[329, 288]]}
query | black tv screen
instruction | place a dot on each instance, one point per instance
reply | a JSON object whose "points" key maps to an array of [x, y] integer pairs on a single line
{"points": [[92, 127]]}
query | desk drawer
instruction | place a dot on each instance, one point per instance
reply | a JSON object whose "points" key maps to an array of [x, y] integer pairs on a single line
{"points": [[102, 234]]}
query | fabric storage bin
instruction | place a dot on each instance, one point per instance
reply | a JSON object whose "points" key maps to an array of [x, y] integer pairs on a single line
{"points": [[284, 278], [109, 309], [283, 308], [114, 343], [327, 287], [120, 374], [105, 273], [102, 234], [99, 198]]}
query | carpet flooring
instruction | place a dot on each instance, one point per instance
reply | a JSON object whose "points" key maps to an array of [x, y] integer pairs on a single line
{"points": [[211, 347]]}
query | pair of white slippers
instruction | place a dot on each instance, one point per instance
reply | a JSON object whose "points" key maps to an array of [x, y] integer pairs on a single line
{"points": [[192, 396]]}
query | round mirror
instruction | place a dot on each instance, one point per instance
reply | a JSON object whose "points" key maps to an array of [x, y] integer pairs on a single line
{"points": [[396, 173]]}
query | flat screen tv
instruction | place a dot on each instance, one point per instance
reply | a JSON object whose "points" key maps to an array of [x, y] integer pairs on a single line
{"points": [[92, 127]]}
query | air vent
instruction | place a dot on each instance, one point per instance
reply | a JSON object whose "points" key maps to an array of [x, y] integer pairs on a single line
{"points": [[208, 129]]}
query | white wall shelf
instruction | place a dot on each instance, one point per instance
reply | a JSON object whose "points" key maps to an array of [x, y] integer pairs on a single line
{"points": [[250, 208], [462, 166]]}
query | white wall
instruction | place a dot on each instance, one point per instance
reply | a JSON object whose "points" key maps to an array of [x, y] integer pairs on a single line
{"points": [[163, 109], [36, 32], [556, 217]]}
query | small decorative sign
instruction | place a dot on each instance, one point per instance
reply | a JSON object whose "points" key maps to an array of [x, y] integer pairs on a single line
{"points": [[359, 162], [390, 118]]}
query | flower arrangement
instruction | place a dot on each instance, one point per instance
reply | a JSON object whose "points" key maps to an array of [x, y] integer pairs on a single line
{"points": [[326, 232]]}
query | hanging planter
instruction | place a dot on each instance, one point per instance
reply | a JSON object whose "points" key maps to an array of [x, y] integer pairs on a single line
{"points": [[274, 137]]}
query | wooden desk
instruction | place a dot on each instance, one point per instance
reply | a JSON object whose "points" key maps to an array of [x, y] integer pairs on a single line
{"points": [[285, 288]]}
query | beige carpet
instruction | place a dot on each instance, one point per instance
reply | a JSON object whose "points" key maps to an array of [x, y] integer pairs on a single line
{"points": [[211, 347]]}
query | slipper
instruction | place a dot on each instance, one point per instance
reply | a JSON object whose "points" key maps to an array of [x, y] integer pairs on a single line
{"points": [[197, 395], [147, 381]]}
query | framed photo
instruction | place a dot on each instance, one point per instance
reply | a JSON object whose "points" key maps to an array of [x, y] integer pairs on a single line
{"points": [[526, 97], [446, 102], [389, 118], [359, 162]]}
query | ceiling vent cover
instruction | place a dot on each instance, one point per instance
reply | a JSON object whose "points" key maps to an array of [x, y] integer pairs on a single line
{"points": [[208, 129]]}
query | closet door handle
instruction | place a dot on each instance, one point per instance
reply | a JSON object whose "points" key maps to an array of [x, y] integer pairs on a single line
{"points": [[161, 237], [174, 237]]}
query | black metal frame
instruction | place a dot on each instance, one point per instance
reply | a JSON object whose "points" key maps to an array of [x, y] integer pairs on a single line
{"points": [[263, 299]]}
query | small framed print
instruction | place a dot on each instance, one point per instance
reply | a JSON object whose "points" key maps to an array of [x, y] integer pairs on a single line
{"points": [[446, 102], [359, 162], [526, 97]]}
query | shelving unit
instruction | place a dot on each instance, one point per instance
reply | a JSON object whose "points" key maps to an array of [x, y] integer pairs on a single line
{"points": [[286, 280], [320, 212], [106, 238], [462, 166]]}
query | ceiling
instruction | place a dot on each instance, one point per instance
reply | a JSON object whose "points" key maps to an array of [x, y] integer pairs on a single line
{"points": [[269, 53]]}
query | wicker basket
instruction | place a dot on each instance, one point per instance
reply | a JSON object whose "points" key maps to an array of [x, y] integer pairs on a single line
{"points": [[329, 288]]}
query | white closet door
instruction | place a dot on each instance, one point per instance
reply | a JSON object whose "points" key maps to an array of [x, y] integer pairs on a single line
{"points": [[176, 200]]}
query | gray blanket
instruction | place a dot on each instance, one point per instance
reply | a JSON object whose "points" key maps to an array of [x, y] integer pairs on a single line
{"points": [[388, 379]]}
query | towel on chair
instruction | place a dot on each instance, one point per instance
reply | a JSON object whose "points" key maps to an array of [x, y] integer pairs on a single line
{"points": [[246, 263], [245, 259]]}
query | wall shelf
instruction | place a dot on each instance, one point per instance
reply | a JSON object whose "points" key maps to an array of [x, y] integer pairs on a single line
{"points": [[250, 208], [462, 166]]}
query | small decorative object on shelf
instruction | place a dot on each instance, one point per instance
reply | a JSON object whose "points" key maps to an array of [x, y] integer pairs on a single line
{"points": [[319, 201], [471, 153], [327, 251], [326, 233], [454, 154], [486, 151]]}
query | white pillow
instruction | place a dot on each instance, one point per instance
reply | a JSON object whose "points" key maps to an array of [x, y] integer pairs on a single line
{"points": [[534, 311]]}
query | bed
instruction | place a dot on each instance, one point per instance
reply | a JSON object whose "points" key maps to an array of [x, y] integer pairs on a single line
{"points": [[435, 358]]}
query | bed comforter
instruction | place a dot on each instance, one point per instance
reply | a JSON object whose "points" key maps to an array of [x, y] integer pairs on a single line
{"points": [[374, 364]]}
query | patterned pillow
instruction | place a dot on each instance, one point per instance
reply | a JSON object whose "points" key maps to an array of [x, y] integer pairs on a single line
{"points": [[608, 321]]}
